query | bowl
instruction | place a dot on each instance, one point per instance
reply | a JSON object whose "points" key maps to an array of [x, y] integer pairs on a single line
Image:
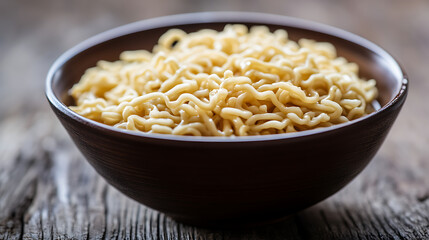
{"points": [[228, 181]]}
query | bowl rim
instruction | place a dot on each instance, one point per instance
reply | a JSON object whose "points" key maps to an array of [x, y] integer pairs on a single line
{"points": [[213, 17]]}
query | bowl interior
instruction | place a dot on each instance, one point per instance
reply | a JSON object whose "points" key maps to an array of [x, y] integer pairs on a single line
{"points": [[373, 61]]}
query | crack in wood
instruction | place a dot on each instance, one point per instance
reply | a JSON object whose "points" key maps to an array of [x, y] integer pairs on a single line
{"points": [[423, 198]]}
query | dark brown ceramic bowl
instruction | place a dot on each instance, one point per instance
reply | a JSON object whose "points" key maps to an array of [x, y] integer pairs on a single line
{"points": [[225, 181]]}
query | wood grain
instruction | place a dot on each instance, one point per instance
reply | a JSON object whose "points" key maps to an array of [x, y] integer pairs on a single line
{"points": [[48, 191]]}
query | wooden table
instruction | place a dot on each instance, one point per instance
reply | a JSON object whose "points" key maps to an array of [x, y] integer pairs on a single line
{"points": [[48, 190]]}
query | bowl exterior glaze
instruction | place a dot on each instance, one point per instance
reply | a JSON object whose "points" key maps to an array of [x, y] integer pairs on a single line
{"points": [[227, 181]]}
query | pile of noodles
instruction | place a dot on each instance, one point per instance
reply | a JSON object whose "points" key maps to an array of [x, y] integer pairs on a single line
{"points": [[235, 82]]}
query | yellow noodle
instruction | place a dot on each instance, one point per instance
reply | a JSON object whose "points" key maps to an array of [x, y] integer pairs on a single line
{"points": [[235, 82]]}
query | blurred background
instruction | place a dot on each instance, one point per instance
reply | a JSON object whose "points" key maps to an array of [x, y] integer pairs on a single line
{"points": [[33, 33]]}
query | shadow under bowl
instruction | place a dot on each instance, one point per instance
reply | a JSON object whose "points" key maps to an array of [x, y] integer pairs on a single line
{"points": [[215, 181]]}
